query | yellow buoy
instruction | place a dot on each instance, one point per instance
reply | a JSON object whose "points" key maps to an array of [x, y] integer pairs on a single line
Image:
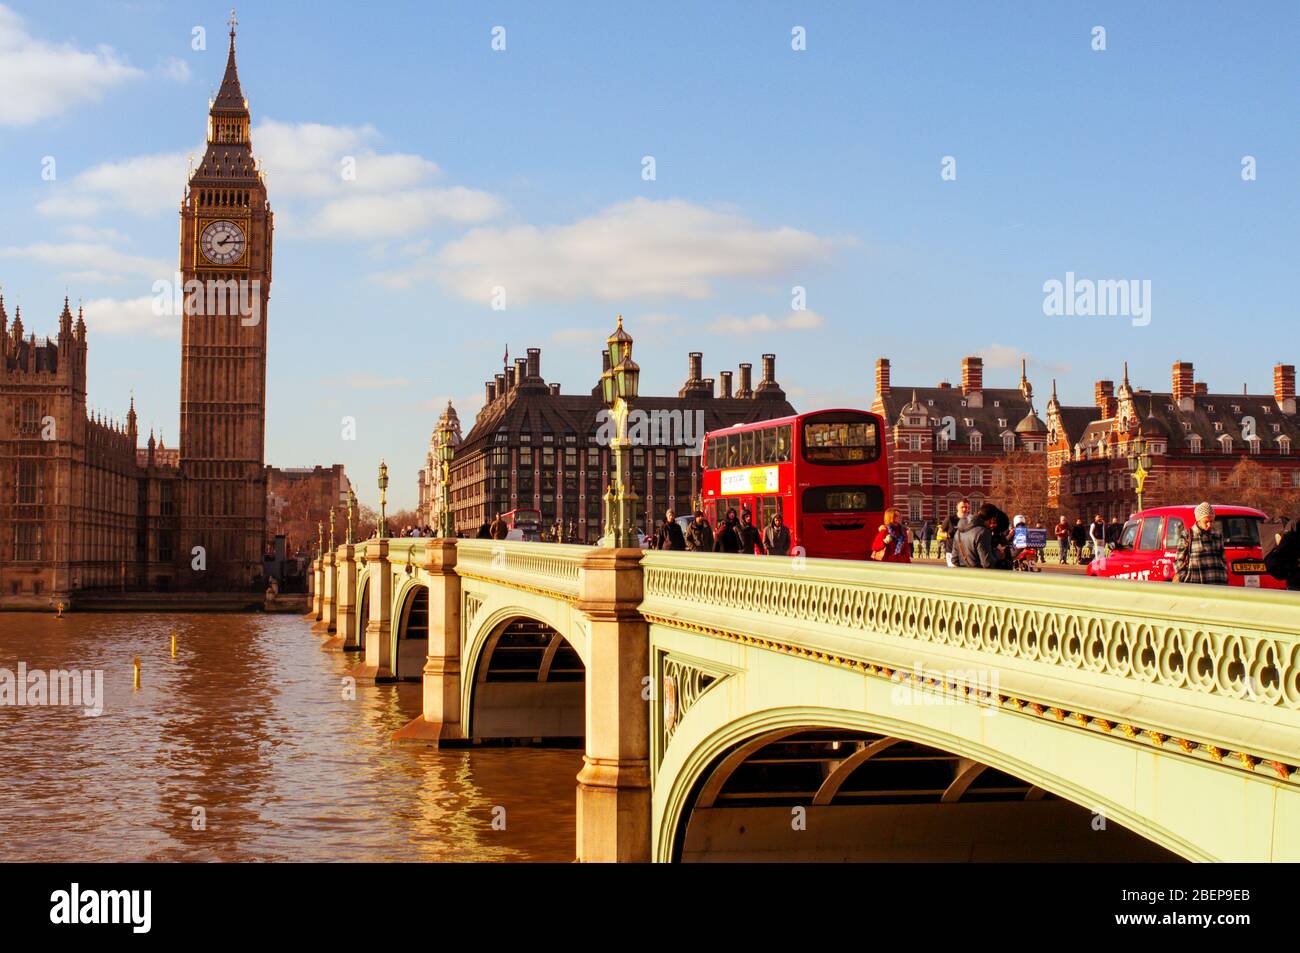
{"points": [[173, 644], [135, 662]]}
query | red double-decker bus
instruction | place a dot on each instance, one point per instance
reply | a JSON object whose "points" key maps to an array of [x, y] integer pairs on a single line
{"points": [[826, 473]]}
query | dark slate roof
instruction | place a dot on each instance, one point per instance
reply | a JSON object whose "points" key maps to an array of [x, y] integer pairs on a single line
{"points": [[226, 161], [230, 98], [1230, 410], [1226, 409], [533, 409], [1012, 407], [1075, 420]]}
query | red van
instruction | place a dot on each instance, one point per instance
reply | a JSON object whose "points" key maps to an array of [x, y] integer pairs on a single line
{"points": [[1149, 543]]}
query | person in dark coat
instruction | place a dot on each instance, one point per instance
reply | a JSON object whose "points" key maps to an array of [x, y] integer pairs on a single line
{"points": [[672, 537], [499, 529], [751, 541], [1283, 560], [727, 539], [974, 546], [699, 535], [484, 531], [776, 538]]}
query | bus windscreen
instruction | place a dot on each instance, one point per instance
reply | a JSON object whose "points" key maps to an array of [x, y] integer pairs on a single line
{"points": [[846, 441]]}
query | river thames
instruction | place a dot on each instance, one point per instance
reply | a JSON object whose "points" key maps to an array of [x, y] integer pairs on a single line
{"points": [[250, 723]]}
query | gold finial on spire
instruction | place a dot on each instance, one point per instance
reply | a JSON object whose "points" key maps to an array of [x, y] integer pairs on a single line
{"points": [[233, 22]]}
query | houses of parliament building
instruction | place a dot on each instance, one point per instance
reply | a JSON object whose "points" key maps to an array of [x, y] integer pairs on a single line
{"points": [[82, 505]]}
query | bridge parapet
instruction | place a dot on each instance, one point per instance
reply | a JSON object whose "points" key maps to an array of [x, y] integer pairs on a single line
{"points": [[1214, 669], [551, 569]]}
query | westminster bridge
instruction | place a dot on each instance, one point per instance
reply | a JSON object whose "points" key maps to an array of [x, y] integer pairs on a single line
{"points": [[742, 708]]}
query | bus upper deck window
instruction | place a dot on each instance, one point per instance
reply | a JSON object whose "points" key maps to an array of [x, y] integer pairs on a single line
{"points": [[733, 450], [767, 450], [782, 444], [747, 449]]}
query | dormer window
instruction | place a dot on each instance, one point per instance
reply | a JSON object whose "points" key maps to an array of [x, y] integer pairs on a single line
{"points": [[1008, 442], [1218, 426], [1268, 409], [969, 422], [1002, 422], [997, 403], [1236, 408], [1194, 443], [1187, 426], [1284, 445], [1253, 442], [1277, 428], [1225, 442], [930, 402], [976, 441]]}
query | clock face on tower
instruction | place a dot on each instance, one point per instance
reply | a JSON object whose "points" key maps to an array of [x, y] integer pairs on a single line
{"points": [[222, 242]]}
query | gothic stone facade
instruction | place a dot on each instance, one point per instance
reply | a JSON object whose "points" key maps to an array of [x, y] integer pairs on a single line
{"points": [[81, 505]]}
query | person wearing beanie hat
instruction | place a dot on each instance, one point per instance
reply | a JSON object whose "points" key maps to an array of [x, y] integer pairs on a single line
{"points": [[1200, 556]]}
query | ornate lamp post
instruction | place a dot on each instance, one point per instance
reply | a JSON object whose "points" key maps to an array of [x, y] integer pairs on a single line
{"points": [[1139, 462], [381, 531], [446, 525], [331, 529], [352, 508], [320, 539], [619, 387]]}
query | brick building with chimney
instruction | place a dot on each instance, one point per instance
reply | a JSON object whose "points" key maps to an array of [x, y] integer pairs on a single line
{"points": [[946, 442], [1194, 439], [534, 447]]}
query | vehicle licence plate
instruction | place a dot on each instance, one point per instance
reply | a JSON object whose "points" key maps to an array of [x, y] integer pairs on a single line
{"points": [[1244, 566]]}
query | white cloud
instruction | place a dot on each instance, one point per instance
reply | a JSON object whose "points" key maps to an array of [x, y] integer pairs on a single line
{"points": [[175, 68], [143, 185], [40, 80], [1003, 356], [131, 316], [398, 213], [759, 323], [640, 248], [326, 181], [90, 258]]}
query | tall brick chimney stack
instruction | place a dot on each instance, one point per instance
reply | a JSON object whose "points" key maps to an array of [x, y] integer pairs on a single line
{"points": [[726, 383], [1184, 386], [746, 388], [491, 392], [534, 363], [882, 378], [1284, 387], [696, 371], [1104, 394], [972, 381]]}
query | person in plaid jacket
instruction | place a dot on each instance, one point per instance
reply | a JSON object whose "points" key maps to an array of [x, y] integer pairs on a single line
{"points": [[1200, 556]]}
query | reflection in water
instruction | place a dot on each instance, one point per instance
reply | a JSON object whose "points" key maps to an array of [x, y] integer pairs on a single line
{"points": [[250, 724]]}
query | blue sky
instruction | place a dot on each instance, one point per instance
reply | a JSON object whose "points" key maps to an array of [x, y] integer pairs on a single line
{"points": [[774, 168]]}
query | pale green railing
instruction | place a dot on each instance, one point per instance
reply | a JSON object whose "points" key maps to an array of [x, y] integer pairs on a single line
{"points": [[1191, 661], [547, 567]]}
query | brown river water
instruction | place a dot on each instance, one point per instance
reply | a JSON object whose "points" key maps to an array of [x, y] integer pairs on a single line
{"points": [[249, 723]]}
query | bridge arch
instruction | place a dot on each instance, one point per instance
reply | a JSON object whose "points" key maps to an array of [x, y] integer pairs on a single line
{"points": [[717, 756], [361, 600], [524, 678], [410, 628]]}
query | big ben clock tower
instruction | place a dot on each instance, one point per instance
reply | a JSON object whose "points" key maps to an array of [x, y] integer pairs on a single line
{"points": [[225, 261]]}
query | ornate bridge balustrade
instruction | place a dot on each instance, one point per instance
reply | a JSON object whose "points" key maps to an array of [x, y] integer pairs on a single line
{"points": [[719, 693], [1144, 703]]}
